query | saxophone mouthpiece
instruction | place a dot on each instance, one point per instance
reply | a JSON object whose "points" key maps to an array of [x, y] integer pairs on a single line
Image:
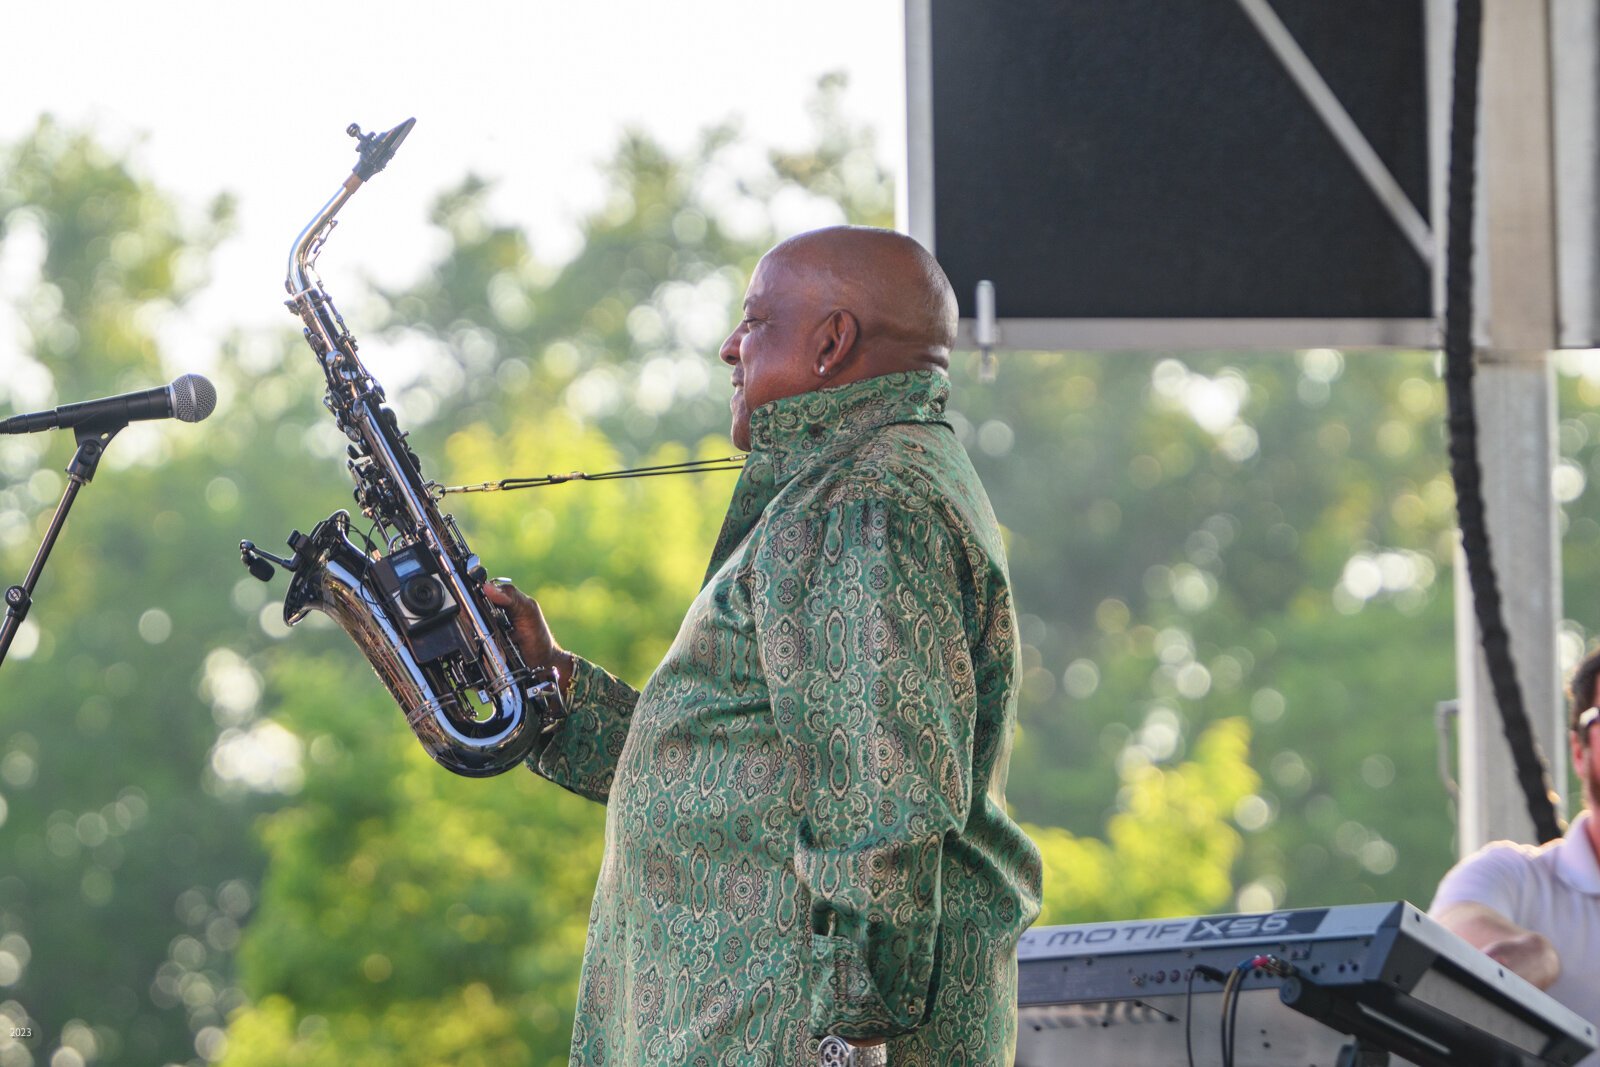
{"points": [[376, 149]]}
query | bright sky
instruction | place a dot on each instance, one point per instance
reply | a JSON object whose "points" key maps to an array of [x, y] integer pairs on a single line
{"points": [[253, 99]]}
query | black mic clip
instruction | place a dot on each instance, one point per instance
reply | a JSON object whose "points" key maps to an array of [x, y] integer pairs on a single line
{"points": [[92, 438], [260, 563]]}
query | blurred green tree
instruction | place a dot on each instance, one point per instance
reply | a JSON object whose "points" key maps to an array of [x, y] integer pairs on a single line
{"points": [[124, 871], [1170, 849], [1267, 537]]}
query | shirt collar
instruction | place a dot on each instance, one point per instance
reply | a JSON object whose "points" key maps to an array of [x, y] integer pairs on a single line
{"points": [[1576, 859], [793, 430], [787, 434]]}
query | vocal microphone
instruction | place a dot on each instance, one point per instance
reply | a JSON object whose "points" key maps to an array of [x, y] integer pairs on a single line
{"points": [[188, 399]]}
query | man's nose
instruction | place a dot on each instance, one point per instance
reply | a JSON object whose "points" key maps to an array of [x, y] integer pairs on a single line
{"points": [[729, 353]]}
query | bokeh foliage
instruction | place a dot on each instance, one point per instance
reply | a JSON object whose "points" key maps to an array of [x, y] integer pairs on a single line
{"points": [[220, 842], [1269, 537]]}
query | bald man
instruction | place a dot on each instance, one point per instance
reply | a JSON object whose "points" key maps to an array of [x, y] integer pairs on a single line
{"points": [[808, 857]]}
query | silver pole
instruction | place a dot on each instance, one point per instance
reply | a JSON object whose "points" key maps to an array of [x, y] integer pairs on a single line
{"points": [[1515, 391]]}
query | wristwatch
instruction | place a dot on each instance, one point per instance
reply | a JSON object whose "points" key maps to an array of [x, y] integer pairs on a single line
{"points": [[837, 1052]]}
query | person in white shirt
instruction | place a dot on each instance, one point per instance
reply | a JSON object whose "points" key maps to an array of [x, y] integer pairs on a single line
{"points": [[1536, 909]]}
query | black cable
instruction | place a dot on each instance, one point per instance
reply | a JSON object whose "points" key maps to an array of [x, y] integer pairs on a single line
{"points": [[1465, 468], [1232, 993], [1233, 1015], [1188, 1016], [1229, 992]]}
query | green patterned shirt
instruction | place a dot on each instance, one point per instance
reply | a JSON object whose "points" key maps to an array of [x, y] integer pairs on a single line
{"points": [[806, 830]]}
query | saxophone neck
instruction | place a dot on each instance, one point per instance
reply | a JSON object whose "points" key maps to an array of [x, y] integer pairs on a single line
{"points": [[375, 150], [301, 276]]}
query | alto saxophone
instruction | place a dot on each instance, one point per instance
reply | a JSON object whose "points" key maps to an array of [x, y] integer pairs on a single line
{"points": [[414, 603]]}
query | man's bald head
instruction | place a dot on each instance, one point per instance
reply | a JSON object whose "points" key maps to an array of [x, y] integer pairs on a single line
{"points": [[890, 283], [836, 306]]}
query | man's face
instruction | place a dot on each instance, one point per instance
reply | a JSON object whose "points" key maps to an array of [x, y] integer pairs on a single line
{"points": [[771, 350]]}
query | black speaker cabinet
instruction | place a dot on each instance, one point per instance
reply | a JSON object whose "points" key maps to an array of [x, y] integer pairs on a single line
{"points": [[1170, 173]]}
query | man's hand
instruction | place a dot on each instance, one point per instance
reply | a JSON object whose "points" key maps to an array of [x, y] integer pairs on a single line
{"points": [[1530, 955], [1524, 952], [529, 630]]}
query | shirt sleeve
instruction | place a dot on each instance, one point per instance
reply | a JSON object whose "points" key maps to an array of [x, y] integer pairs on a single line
{"points": [[860, 626], [581, 753], [1492, 876]]}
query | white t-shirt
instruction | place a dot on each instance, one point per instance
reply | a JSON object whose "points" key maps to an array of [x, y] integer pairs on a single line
{"points": [[1552, 889]]}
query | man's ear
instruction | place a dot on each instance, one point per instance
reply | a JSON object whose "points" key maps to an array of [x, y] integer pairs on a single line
{"points": [[837, 338]]}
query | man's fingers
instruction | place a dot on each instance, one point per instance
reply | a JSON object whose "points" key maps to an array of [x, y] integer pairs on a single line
{"points": [[500, 591], [529, 630], [522, 608]]}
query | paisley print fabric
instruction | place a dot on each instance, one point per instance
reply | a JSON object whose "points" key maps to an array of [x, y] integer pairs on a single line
{"points": [[806, 829]]}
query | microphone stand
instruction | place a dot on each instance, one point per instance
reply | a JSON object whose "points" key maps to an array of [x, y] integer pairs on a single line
{"points": [[92, 440]]}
